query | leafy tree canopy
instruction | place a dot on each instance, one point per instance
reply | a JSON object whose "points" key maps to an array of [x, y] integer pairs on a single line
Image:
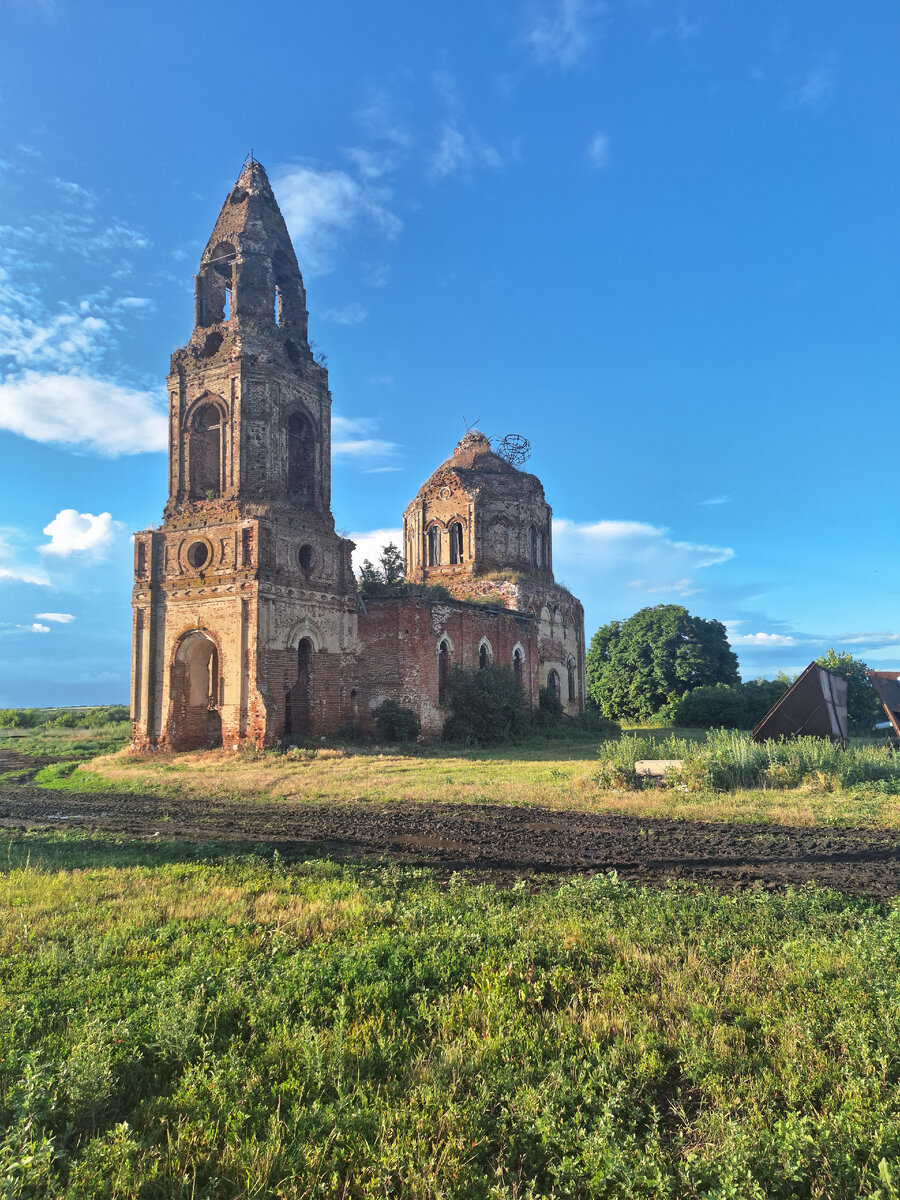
{"points": [[635, 667], [863, 706], [388, 573]]}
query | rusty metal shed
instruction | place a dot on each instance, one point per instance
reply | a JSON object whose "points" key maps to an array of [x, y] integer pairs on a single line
{"points": [[887, 689], [815, 705]]}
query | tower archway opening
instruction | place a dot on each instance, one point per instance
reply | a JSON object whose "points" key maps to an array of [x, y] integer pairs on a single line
{"points": [[298, 699], [196, 692], [205, 450]]}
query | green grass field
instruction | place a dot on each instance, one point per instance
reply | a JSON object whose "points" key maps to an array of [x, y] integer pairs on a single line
{"points": [[176, 1023], [199, 1021]]}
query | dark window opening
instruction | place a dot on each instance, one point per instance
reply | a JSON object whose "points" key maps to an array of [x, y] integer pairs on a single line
{"points": [[484, 658], [205, 451], [434, 546], [198, 555], [246, 547], [141, 558], [517, 665], [306, 558], [533, 546], [542, 550], [456, 542], [571, 679], [301, 457], [443, 671], [279, 306], [553, 684]]}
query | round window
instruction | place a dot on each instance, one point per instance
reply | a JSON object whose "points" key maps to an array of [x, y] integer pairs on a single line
{"points": [[306, 557], [198, 555]]}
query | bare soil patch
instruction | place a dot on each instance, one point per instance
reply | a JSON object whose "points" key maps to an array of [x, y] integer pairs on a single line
{"points": [[496, 842]]}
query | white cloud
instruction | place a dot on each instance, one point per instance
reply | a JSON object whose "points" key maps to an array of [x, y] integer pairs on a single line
{"points": [[559, 33], [598, 150], [459, 147], [76, 410], [816, 89], [72, 532], [36, 628], [350, 314], [761, 639], [15, 573], [321, 206], [714, 500], [617, 567], [62, 618], [351, 438], [369, 545]]}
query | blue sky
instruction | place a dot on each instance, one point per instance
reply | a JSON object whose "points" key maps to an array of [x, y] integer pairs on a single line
{"points": [[659, 239]]}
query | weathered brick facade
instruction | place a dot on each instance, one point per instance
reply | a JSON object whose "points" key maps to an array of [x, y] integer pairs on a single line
{"points": [[247, 625], [482, 528]]}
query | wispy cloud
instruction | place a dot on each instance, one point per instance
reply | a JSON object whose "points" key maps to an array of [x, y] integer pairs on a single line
{"points": [[351, 437], [459, 147], [816, 89], [353, 313], [13, 571], [60, 618], [559, 33], [712, 501], [324, 208], [84, 534], [598, 150]]}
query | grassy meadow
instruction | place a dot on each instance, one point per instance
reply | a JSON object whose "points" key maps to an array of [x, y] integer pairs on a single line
{"points": [[198, 1021], [725, 777], [175, 1022]]}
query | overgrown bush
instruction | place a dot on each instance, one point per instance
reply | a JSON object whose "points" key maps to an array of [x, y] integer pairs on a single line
{"points": [[17, 718], [728, 760], [394, 723], [592, 721], [487, 706]]}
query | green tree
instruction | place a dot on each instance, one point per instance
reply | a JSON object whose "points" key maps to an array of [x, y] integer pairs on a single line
{"points": [[388, 574], [863, 706], [393, 569], [636, 666]]}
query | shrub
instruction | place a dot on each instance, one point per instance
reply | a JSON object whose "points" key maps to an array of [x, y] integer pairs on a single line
{"points": [[487, 706], [17, 718], [395, 723], [592, 721], [721, 706]]}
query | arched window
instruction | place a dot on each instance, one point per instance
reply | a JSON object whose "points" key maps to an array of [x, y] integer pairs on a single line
{"points": [[485, 657], [570, 670], [206, 453], [214, 285], [517, 664], [542, 550], [443, 670], [534, 550], [553, 684], [456, 542], [434, 546], [301, 457]]}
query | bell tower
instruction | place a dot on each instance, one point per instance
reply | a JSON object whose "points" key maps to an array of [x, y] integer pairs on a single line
{"points": [[244, 599]]}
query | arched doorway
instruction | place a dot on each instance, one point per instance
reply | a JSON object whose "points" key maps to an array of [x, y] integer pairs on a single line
{"points": [[298, 700], [196, 692]]}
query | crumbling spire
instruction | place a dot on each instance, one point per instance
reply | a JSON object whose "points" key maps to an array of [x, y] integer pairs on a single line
{"points": [[249, 276]]}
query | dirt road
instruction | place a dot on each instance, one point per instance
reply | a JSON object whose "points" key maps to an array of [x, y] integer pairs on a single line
{"points": [[499, 843]]}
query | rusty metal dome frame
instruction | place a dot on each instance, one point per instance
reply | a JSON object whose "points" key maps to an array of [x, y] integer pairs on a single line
{"points": [[515, 448]]}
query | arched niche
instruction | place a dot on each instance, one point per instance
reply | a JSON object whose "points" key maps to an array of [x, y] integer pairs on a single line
{"points": [[215, 284], [206, 445], [197, 688], [301, 457]]}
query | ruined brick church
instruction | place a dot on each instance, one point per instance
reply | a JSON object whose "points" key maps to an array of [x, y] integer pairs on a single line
{"points": [[247, 623]]}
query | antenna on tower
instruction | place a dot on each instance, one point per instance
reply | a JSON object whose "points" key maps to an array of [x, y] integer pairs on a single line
{"points": [[469, 427]]}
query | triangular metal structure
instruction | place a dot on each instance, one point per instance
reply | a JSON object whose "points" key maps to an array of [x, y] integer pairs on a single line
{"points": [[815, 705], [887, 689]]}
